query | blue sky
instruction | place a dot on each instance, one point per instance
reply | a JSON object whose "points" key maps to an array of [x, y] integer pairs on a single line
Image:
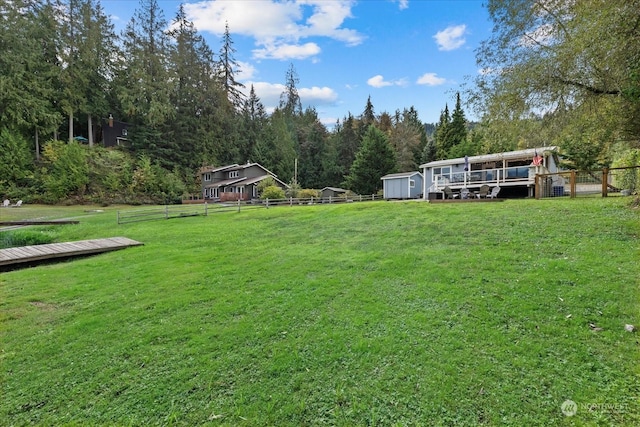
{"points": [[402, 53]]}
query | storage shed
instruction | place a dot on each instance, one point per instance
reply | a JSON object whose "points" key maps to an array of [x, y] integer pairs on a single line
{"points": [[405, 185], [332, 192]]}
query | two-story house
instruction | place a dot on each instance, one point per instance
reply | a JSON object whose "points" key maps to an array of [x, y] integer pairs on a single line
{"points": [[234, 182]]}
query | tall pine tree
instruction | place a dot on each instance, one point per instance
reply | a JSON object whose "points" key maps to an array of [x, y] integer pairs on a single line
{"points": [[374, 160]]}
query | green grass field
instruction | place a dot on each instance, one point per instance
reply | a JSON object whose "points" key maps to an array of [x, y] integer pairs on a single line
{"points": [[374, 313]]}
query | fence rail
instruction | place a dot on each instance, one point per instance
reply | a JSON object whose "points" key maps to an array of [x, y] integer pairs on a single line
{"points": [[588, 183], [205, 209], [163, 212]]}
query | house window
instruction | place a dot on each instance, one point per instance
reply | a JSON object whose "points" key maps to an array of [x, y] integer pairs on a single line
{"points": [[412, 183], [124, 132], [442, 175], [207, 177], [206, 192], [233, 174], [214, 193]]}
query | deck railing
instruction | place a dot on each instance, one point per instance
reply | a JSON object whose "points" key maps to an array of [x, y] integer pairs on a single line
{"points": [[477, 178]]}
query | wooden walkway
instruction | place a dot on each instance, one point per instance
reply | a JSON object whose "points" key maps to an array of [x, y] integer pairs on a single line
{"points": [[67, 249]]}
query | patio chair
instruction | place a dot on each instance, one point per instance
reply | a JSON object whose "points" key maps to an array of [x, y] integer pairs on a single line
{"points": [[448, 194], [494, 193], [465, 193], [6, 203], [484, 191], [18, 204]]}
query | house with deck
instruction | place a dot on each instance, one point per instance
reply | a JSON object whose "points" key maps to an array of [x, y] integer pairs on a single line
{"points": [[404, 185], [234, 182], [513, 171]]}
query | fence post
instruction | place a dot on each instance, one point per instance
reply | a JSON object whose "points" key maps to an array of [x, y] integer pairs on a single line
{"points": [[118, 213], [238, 205], [536, 189], [267, 203], [573, 184], [166, 211], [330, 199], [605, 181], [206, 209]]}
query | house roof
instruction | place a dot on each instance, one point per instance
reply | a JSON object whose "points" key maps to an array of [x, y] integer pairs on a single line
{"points": [[235, 166], [401, 175], [225, 182], [507, 155]]}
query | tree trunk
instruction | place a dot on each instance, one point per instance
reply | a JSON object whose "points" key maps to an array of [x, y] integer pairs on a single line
{"points": [[70, 126], [37, 146], [90, 124]]}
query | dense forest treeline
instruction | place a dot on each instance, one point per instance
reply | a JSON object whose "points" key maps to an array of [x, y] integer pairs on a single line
{"points": [[63, 71]]}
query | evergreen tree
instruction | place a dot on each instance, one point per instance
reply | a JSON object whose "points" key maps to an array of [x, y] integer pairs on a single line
{"points": [[367, 119], [28, 68], [254, 122], [96, 59], [332, 173], [405, 139], [311, 137], [290, 102], [441, 135], [144, 82], [228, 67], [348, 144], [15, 160], [195, 95], [283, 154], [374, 160], [457, 129]]}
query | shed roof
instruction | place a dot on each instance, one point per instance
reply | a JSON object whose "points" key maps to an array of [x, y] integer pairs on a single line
{"points": [[401, 175], [335, 189]]}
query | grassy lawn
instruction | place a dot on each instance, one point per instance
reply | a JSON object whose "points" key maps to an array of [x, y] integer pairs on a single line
{"points": [[373, 313]]}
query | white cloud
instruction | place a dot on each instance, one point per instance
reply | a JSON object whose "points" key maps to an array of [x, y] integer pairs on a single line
{"points": [[277, 26], [246, 71], [269, 94], [403, 4], [543, 35], [317, 96], [379, 81], [287, 51], [451, 37], [430, 79]]}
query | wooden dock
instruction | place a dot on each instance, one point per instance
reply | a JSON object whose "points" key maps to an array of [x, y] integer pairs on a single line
{"points": [[39, 222], [59, 250]]}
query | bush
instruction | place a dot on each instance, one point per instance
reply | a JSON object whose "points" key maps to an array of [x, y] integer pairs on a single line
{"points": [[628, 179], [307, 193], [272, 192]]}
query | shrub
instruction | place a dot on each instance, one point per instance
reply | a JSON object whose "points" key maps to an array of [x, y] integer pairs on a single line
{"points": [[272, 192], [307, 193], [628, 179]]}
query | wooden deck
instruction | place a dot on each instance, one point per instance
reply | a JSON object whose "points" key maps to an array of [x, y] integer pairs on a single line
{"points": [[67, 249]]}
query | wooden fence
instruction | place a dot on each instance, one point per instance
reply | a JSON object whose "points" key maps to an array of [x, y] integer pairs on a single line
{"points": [[575, 183], [162, 212], [205, 209]]}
